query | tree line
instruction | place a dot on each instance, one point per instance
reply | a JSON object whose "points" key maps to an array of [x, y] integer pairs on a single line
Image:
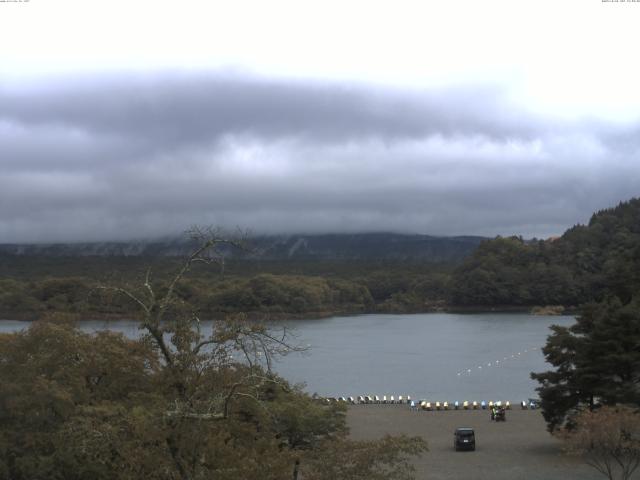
{"points": [[174, 404], [587, 263], [288, 291], [591, 396]]}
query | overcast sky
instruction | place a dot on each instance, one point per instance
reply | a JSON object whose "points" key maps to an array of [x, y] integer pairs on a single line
{"points": [[125, 120]]}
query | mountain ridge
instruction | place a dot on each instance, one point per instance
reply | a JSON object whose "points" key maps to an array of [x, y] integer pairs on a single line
{"points": [[360, 246]]}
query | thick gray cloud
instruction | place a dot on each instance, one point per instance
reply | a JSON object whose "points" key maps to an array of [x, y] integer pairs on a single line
{"points": [[130, 156]]}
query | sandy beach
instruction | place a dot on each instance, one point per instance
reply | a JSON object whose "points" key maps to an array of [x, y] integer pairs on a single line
{"points": [[519, 448]]}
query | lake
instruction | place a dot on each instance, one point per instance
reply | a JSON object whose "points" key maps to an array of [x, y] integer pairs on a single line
{"points": [[437, 356]]}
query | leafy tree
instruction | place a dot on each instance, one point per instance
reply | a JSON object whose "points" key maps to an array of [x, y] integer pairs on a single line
{"points": [[586, 263], [53, 377], [175, 404], [608, 439], [596, 360]]}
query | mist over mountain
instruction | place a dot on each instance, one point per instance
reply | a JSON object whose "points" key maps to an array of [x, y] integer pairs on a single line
{"points": [[364, 246]]}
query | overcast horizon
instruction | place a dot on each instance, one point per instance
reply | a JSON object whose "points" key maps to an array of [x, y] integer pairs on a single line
{"points": [[405, 117]]}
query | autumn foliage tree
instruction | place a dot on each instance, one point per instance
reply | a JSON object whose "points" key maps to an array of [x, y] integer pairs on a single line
{"points": [[608, 439], [181, 402]]}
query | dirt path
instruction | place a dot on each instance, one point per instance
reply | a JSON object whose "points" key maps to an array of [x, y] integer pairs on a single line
{"points": [[519, 448]]}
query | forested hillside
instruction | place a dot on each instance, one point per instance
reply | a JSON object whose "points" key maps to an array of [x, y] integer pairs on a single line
{"points": [[586, 263], [329, 247], [300, 276], [35, 286], [174, 403]]}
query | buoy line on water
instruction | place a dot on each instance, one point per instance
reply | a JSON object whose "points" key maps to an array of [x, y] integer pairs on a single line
{"points": [[496, 363], [422, 404]]}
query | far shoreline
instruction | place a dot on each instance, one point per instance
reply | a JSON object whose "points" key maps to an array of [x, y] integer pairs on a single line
{"points": [[285, 316]]}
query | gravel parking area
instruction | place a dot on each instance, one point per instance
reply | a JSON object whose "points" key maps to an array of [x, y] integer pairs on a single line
{"points": [[519, 448]]}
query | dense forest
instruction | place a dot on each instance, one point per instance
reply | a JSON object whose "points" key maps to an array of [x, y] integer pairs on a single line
{"points": [[588, 262], [596, 361], [176, 404], [31, 286], [173, 404]]}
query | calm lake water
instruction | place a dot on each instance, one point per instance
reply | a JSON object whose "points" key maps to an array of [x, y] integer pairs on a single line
{"points": [[436, 356]]}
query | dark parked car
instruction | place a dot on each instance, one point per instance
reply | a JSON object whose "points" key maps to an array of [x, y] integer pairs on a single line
{"points": [[464, 438]]}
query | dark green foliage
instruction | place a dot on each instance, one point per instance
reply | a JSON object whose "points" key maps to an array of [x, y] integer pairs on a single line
{"points": [[596, 360], [587, 263], [77, 406], [174, 404], [56, 379], [90, 407], [291, 290]]}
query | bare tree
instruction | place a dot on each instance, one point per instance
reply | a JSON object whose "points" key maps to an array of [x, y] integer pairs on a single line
{"points": [[608, 439], [206, 373], [217, 408]]}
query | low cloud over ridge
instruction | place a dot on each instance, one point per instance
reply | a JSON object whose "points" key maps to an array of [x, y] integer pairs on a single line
{"points": [[130, 156]]}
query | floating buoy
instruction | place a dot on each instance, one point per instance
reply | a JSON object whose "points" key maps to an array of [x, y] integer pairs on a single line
{"points": [[423, 404]]}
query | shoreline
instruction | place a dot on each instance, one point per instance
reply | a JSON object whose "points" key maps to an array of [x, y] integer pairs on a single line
{"points": [[312, 315], [283, 316]]}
